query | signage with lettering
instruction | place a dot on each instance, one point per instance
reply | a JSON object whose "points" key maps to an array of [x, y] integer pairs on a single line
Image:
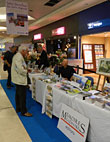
{"points": [[100, 23], [58, 31], [17, 17], [73, 124], [38, 36]]}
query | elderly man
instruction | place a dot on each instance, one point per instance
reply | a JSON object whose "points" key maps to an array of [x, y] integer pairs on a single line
{"points": [[19, 77], [65, 70]]}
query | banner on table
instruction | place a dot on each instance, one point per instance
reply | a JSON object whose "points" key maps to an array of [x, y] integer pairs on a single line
{"points": [[17, 17], [73, 124], [49, 101], [34, 88]]}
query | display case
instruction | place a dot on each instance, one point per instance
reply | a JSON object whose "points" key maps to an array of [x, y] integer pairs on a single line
{"points": [[91, 54]]}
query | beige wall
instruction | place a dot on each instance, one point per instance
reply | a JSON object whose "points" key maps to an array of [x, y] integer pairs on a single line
{"points": [[107, 47], [93, 40], [98, 40]]}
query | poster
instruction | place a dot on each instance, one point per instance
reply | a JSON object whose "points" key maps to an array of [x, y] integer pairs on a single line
{"points": [[73, 124], [17, 17], [104, 66], [88, 56]]}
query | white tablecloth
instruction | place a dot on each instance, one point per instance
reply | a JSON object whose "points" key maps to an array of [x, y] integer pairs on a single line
{"points": [[59, 97], [40, 91], [36, 75], [99, 130]]}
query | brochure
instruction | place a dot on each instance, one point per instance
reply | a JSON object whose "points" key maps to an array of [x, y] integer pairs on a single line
{"points": [[80, 79]]}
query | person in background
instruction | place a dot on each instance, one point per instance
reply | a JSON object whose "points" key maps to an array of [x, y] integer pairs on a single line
{"points": [[65, 70], [7, 63], [43, 59], [19, 78], [34, 52]]}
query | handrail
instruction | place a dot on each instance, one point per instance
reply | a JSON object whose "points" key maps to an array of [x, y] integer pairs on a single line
{"points": [[83, 69]]}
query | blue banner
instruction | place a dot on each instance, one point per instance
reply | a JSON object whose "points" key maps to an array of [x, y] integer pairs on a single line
{"points": [[98, 24]]}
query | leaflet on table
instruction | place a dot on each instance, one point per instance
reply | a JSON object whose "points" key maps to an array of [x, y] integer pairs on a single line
{"points": [[68, 88], [93, 92], [80, 79], [99, 101], [49, 78]]}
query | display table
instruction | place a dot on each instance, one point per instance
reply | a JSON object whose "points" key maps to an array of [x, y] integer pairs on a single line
{"points": [[99, 129], [59, 97]]}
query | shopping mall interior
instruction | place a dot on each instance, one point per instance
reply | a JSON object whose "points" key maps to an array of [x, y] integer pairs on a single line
{"points": [[54, 70]]}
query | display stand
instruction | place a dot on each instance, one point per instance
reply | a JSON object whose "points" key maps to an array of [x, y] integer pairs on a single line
{"points": [[105, 77], [91, 54]]}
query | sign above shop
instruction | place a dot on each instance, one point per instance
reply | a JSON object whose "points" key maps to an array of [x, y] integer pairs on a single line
{"points": [[38, 36], [97, 24], [58, 31]]}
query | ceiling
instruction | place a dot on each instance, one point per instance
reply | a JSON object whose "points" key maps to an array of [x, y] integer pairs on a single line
{"points": [[45, 15]]}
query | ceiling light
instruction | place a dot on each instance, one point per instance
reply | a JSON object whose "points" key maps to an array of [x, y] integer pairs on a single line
{"points": [[86, 4], [30, 18], [31, 10], [75, 37], [3, 18], [2, 28]]}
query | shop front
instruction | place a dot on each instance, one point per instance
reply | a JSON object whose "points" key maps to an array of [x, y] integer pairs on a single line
{"points": [[60, 42], [94, 31], [38, 39]]}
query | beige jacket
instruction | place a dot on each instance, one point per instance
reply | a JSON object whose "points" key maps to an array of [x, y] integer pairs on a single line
{"points": [[18, 70]]}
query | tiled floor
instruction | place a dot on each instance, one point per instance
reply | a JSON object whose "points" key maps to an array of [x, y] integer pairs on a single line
{"points": [[11, 128], [3, 74]]}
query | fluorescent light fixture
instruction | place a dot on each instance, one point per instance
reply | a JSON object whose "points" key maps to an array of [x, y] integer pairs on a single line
{"points": [[30, 18], [3, 28], [3, 17]]}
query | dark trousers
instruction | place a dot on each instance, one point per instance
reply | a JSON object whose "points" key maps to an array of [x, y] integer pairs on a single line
{"points": [[20, 99], [9, 77]]}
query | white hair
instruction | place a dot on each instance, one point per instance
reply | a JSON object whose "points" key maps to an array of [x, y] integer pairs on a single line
{"points": [[21, 48]]}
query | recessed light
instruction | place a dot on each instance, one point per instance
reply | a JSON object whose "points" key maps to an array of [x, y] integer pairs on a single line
{"points": [[2, 28], [75, 37], [31, 10], [86, 4]]}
